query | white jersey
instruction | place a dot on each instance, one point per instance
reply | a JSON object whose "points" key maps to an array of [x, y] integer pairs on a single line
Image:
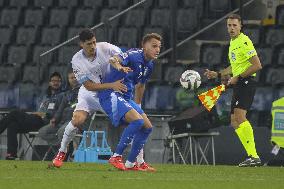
{"points": [[94, 70]]}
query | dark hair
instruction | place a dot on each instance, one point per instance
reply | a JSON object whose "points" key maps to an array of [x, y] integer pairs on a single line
{"points": [[55, 74], [235, 16], [150, 36], [86, 34]]}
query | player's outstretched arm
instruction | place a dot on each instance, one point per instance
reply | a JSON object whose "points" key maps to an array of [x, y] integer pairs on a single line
{"points": [[212, 74], [115, 61], [116, 86]]}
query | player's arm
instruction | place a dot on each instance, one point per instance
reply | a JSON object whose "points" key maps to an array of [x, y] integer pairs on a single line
{"points": [[116, 62], [139, 92], [116, 86], [222, 73], [255, 66]]}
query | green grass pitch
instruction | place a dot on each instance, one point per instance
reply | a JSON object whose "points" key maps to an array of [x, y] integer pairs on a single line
{"points": [[32, 174]]}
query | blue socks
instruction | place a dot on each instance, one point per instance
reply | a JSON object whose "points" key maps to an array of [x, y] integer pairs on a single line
{"points": [[128, 135], [138, 143]]}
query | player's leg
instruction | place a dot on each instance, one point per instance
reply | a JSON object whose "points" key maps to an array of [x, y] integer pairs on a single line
{"points": [[242, 100], [79, 117], [80, 114], [147, 125]]}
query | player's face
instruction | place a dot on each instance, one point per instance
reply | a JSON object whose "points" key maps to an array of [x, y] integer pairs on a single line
{"points": [[55, 83], [234, 27], [152, 48], [89, 46], [72, 80]]}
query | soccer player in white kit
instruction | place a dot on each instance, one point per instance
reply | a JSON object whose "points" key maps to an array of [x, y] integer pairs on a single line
{"points": [[89, 66]]}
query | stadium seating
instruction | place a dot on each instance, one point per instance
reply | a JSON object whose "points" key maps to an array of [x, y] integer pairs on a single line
{"points": [[253, 32], [118, 4], [10, 17], [135, 18], [85, 17], [263, 99], [43, 3], [8, 74], [6, 33], [127, 37], [108, 13], [59, 17], [66, 53], [173, 72], [160, 17], [274, 76], [280, 15], [34, 17], [92, 3], [39, 49], [164, 3], [51, 35], [31, 74], [187, 19], [68, 3], [26, 35], [278, 55], [17, 55], [265, 55], [27, 96], [274, 35], [18, 3], [211, 54]]}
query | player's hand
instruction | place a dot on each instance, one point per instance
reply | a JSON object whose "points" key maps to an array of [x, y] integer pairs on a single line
{"points": [[124, 69], [119, 86], [210, 74], [233, 80]]}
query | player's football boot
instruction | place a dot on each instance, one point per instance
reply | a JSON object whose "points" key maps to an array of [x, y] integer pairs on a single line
{"points": [[135, 168], [117, 162], [250, 162], [58, 160], [147, 167]]}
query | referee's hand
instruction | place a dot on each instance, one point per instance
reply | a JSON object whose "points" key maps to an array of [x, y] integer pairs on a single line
{"points": [[210, 74]]}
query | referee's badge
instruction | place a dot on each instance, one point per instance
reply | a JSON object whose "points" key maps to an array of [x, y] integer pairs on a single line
{"points": [[233, 56]]}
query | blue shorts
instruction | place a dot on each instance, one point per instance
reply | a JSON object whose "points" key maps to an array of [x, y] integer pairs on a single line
{"points": [[115, 106]]}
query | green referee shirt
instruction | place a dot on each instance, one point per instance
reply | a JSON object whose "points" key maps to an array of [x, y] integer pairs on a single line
{"points": [[240, 51]]}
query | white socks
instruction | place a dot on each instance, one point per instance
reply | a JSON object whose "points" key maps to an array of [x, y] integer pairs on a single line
{"points": [[140, 157], [129, 164], [69, 134]]}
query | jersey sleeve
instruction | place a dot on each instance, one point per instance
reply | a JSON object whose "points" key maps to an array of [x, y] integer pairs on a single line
{"points": [[113, 50], [248, 48], [80, 75], [125, 57]]}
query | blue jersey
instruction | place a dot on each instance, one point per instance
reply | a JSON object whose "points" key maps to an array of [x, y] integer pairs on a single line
{"points": [[142, 69]]}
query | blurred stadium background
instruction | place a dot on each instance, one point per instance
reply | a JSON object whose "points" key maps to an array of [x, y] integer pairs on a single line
{"points": [[195, 37]]}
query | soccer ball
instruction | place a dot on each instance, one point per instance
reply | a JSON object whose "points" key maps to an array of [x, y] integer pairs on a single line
{"points": [[190, 79]]}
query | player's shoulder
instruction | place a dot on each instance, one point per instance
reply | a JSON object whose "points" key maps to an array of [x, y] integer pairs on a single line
{"points": [[245, 38], [77, 56], [105, 46]]}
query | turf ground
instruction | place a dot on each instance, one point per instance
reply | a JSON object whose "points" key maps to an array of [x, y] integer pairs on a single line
{"points": [[31, 174]]}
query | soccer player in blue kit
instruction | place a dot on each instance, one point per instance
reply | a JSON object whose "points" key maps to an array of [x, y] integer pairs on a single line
{"points": [[121, 108]]}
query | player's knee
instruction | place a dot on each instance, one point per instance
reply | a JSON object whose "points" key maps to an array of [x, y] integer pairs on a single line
{"points": [[147, 125], [78, 119]]}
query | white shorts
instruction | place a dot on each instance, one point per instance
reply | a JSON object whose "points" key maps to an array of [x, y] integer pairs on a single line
{"points": [[88, 101]]}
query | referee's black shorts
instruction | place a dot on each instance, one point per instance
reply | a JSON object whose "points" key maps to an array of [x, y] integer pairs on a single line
{"points": [[243, 93]]}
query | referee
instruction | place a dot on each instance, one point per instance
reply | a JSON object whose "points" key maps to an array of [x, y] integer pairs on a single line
{"points": [[244, 63]]}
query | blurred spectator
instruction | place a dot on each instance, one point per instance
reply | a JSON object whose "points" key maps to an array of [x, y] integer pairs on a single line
{"points": [[64, 113], [18, 121]]}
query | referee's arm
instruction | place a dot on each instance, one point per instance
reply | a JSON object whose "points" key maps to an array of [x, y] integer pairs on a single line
{"points": [[255, 66]]}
